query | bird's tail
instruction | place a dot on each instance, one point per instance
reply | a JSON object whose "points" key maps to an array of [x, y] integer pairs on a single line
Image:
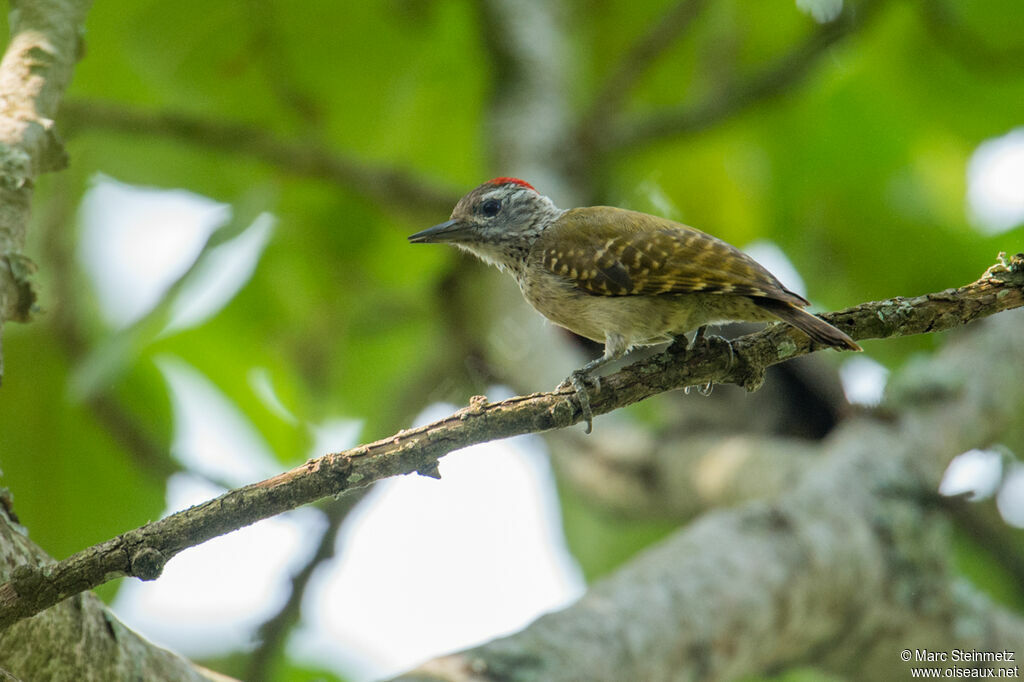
{"points": [[818, 329]]}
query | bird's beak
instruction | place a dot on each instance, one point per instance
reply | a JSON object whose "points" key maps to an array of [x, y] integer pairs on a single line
{"points": [[449, 231]]}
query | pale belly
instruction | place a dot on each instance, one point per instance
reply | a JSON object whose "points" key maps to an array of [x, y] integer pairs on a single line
{"points": [[636, 320]]}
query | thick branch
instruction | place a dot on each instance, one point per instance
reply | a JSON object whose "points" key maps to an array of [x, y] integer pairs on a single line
{"points": [[34, 73], [144, 551], [678, 478], [79, 639], [786, 73], [387, 187]]}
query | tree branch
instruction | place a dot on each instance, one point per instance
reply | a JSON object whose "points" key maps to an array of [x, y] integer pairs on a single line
{"points": [[842, 570], [34, 72], [79, 638], [679, 479], [276, 65], [389, 188], [144, 551], [786, 73]]}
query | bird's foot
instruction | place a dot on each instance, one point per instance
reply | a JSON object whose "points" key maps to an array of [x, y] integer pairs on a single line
{"points": [[680, 345], [705, 340], [701, 338], [703, 389], [578, 380], [728, 345]]}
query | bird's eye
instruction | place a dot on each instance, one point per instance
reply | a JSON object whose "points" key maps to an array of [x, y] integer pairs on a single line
{"points": [[490, 208]]}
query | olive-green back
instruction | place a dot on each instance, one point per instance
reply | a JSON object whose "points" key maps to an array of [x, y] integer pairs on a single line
{"points": [[609, 251]]}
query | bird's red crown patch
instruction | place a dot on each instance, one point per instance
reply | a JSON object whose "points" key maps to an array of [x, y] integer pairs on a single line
{"points": [[513, 181]]}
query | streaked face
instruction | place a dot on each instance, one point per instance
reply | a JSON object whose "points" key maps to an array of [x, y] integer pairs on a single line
{"points": [[495, 221]]}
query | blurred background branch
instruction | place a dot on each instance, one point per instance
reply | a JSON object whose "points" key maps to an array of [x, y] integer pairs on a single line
{"points": [[273, 633], [380, 185], [742, 92], [642, 56]]}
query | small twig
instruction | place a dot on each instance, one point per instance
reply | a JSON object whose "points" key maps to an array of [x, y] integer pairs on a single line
{"points": [[638, 60], [786, 73], [969, 46], [144, 551], [272, 58], [392, 189]]}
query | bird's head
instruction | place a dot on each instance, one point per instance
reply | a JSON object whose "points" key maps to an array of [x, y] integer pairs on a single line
{"points": [[498, 222]]}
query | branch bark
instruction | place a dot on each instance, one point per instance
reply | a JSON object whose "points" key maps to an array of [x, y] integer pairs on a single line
{"points": [[144, 551], [79, 638], [34, 72]]}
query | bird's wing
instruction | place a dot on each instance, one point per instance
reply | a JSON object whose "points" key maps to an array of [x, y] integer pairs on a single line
{"points": [[640, 254]]}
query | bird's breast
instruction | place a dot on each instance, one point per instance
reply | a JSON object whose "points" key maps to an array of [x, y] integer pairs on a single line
{"points": [[639, 320]]}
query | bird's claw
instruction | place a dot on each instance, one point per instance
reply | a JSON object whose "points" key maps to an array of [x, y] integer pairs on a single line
{"points": [[700, 338], [705, 341], [728, 344], [578, 381]]}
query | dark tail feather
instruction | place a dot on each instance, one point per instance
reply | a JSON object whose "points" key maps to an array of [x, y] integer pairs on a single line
{"points": [[818, 329]]}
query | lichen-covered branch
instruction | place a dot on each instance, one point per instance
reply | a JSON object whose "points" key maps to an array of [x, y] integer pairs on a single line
{"points": [[35, 70], [144, 551], [78, 639]]}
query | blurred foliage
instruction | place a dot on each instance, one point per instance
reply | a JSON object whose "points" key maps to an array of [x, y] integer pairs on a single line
{"points": [[986, 565], [236, 666], [858, 173]]}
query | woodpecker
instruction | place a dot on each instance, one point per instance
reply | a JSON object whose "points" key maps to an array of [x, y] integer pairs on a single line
{"points": [[618, 277]]}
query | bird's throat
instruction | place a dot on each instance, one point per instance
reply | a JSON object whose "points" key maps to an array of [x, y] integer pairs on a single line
{"points": [[505, 256]]}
